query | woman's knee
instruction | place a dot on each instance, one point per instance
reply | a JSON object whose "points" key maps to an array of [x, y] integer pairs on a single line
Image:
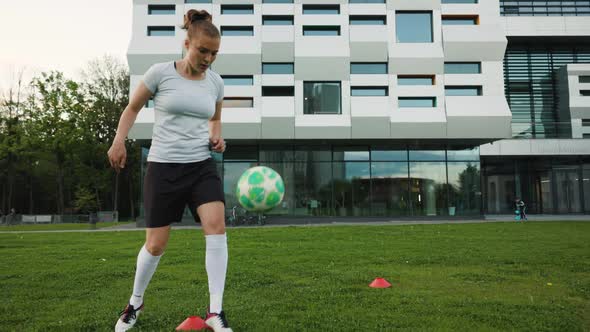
{"points": [[155, 248]]}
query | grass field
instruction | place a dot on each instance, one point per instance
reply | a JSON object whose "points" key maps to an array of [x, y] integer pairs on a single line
{"points": [[59, 227], [463, 277]]}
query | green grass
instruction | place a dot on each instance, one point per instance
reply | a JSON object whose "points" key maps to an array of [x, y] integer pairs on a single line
{"points": [[59, 227], [466, 277]]}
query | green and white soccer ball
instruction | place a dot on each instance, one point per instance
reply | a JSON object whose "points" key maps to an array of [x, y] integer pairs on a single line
{"points": [[260, 189]]}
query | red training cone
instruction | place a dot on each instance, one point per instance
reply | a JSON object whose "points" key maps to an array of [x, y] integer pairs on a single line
{"points": [[380, 283], [193, 323]]}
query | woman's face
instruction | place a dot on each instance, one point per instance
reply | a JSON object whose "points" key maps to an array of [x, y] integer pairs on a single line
{"points": [[201, 51]]}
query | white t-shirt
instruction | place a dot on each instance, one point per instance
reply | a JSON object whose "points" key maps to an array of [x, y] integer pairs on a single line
{"points": [[182, 108]]}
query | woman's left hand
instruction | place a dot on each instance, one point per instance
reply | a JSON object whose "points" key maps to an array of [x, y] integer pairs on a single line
{"points": [[217, 144]]}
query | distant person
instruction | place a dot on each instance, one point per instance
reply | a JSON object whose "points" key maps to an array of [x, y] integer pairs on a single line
{"points": [[188, 99], [521, 207]]}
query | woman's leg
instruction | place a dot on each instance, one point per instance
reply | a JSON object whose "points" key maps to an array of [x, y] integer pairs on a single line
{"points": [[147, 261], [213, 222]]}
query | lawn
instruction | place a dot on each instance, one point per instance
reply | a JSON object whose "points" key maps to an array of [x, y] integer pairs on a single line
{"points": [[59, 227], [467, 277]]}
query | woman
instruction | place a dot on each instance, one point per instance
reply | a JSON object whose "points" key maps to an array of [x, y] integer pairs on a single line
{"points": [[188, 99]]}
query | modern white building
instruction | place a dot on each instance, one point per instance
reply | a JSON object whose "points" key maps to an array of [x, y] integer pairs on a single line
{"points": [[395, 107]]}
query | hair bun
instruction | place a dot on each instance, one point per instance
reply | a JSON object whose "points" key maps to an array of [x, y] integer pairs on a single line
{"points": [[194, 15]]}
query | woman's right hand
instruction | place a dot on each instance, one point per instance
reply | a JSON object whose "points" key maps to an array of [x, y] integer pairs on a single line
{"points": [[117, 155]]}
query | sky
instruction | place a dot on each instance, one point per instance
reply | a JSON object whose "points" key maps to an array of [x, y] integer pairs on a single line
{"points": [[40, 35]]}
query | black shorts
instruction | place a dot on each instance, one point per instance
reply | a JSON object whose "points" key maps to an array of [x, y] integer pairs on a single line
{"points": [[170, 187]]}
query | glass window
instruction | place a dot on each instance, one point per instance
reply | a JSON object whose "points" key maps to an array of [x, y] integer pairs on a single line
{"points": [[277, 154], [238, 80], [584, 79], [586, 186], [278, 68], [350, 153], [278, 91], [237, 9], [462, 67], [369, 91], [197, 1], [161, 9], [150, 103], [458, 1], [313, 189], [415, 80], [238, 102], [277, 1], [366, 1], [428, 188], [368, 68], [313, 153], [321, 30], [232, 171], [459, 20], [427, 155], [277, 20], [368, 20], [389, 189], [321, 9], [500, 189], [460, 90], [242, 153], [464, 188], [384, 154], [463, 155], [351, 188], [321, 98], [160, 31], [237, 31], [413, 27], [416, 101], [568, 187], [585, 93]]}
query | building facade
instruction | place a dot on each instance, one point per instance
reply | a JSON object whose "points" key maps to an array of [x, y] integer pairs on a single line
{"points": [[394, 107]]}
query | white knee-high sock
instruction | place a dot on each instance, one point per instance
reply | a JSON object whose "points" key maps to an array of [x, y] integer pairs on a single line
{"points": [[216, 264], [146, 266]]}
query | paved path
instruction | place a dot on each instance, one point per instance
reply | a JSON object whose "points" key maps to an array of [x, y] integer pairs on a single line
{"points": [[345, 222]]}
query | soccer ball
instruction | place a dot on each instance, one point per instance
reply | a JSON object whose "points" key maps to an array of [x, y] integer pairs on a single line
{"points": [[260, 189]]}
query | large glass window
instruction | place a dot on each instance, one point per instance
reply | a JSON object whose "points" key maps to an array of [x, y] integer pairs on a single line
{"points": [[568, 187], [278, 68], [544, 8], [232, 171], [322, 98], [462, 67], [351, 188], [584, 79], [586, 187], [351, 153], [464, 188], [313, 188], [413, 27], [428, 188], [368, 68], [389, 188]]}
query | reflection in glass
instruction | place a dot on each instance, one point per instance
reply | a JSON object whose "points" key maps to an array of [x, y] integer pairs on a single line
{"points": [[586, 187], [351, 188], [464, 188], [568, 187], [413, 27], [287, 172], [313, 189], [428, 187], [321, 98], [389, 189]]}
